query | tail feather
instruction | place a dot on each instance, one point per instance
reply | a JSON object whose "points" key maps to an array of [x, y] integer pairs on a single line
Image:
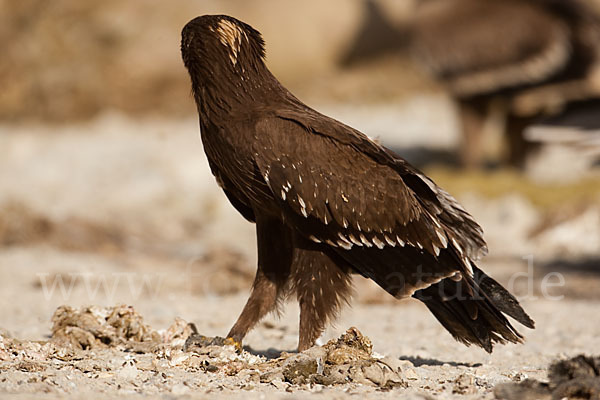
{"points": [[471, 310], [502, 298]]}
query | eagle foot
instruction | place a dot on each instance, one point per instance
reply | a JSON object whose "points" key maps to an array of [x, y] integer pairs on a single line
{"points": [[232, 342]]}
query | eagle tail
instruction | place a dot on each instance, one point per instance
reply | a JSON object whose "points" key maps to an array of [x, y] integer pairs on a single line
{"points": [[472, 310], [501, 298]]}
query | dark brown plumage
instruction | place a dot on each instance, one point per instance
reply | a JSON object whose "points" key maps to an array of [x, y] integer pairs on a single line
{"points": [[328, 202]]}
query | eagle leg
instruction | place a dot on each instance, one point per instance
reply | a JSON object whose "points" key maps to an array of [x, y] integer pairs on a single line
{"points": [[518, 147], [322, 283], [274, 263]]}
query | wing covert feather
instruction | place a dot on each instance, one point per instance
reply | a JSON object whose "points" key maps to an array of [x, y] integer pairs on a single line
{"points": [[344, 197]]}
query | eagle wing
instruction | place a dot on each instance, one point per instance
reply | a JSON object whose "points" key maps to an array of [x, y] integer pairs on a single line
{"points": [[337, 187]]}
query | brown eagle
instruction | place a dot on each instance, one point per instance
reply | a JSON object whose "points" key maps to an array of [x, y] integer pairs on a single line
{"points": [[329, 202], [534, 56], [523, 58]]}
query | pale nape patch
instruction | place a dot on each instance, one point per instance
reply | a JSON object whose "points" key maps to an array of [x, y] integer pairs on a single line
{"points": [[231, 36]]}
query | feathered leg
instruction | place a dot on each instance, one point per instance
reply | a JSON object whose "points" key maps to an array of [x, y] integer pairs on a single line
{"points": [[322, 284], [275, 252]]}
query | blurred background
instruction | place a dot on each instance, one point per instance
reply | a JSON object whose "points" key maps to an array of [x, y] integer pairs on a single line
{"points": [[102, 170]]}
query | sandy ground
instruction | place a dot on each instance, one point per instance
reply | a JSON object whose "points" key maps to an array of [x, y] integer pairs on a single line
{"points": [[128, 213], [434, 364]]}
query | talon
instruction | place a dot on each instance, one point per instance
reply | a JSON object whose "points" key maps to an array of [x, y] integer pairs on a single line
{"points": [[234, 343]]}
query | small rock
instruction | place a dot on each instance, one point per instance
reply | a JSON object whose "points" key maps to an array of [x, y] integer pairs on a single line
{"points": [[336, 375], [271, 376], [395, 364], [211, 368], [96, 327], [298, 368], [375, 373]]}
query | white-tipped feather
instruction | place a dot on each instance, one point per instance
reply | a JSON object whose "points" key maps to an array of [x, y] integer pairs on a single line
{"points": [[378, 242], [365, 240], [457, 246], [443, 238], [400, 241], [355, 240], [390, 241], [344, 242]]}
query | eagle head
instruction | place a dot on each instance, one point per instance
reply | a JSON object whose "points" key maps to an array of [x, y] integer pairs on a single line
{"points": [[220, 44]]}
